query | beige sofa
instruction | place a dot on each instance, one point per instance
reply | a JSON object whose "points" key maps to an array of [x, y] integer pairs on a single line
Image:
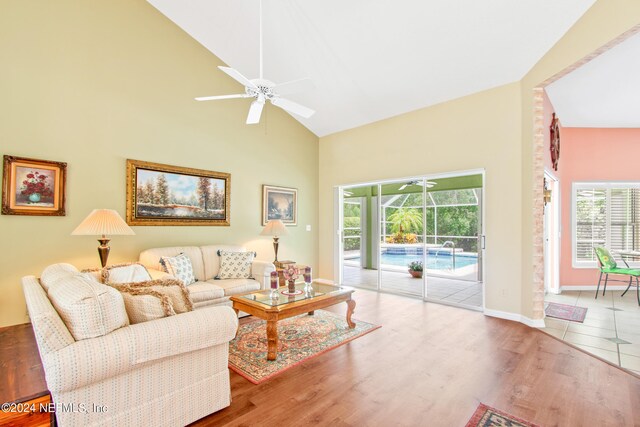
{"points": [[101, 371], [206, 264]]}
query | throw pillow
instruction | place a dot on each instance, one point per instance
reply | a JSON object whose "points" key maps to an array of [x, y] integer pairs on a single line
{"points": [[180, 267], [608, 262], [126, 273], [120, 273], [173, 289], [143, 305], [235, 265]]}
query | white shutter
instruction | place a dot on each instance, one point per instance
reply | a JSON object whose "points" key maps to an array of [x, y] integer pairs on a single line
{"points": [[605, 215], [591, 221], [620, 223]]}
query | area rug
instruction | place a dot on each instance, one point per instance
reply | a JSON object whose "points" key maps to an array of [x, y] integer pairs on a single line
{"points": [[299, 338], [486, 416], [566, 312]]}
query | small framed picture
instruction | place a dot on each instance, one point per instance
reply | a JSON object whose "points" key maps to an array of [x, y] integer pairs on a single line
{"points": [[33, 187], [279, 203]]}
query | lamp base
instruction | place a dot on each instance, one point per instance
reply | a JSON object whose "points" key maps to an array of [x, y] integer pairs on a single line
{"points": [[103, 251], [275, 249]]}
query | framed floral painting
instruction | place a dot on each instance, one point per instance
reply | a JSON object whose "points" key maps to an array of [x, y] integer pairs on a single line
{"points": [[279, 203], [33, 187]]}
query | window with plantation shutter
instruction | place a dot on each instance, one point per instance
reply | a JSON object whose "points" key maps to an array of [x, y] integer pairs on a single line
{"points": [[604, 214]]}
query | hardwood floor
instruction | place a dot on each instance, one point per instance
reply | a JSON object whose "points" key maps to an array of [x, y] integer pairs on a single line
{"points": [[430, 365]]}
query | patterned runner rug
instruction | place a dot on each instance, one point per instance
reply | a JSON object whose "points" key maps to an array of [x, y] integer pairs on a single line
{"points": [[486, 416], [566, 312], [300, 338]]}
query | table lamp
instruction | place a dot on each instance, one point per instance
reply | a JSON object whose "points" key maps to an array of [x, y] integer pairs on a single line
{"points": [[103, 222], [275, 228]]}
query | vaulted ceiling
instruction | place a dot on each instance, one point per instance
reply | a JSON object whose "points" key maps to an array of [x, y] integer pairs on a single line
{"points": [[374, 59], [603, 93]]}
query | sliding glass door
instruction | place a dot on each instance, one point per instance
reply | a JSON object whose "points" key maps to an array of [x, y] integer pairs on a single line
{"points": [[359, 234], [401, 248], [418, 237]]}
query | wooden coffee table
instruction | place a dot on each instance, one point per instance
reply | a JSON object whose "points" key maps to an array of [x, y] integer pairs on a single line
{"points": [[261, 305]]}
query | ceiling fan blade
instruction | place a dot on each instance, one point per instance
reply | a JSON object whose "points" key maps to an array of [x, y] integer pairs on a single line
{"points": [[213, 98], [293, 107], [234, 74], [255, 111], [294, 86]]}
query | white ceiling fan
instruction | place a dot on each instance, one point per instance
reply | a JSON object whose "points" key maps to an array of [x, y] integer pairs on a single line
{"points": [[263, 90], [417, 182]]}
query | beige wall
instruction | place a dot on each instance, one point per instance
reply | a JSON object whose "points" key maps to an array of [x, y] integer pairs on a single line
{"points": [[477, 131], [491, 130], [95, 83]]}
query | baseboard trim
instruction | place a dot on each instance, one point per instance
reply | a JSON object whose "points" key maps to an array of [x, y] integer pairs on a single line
{"points": [[594, 287], [533, 323]]}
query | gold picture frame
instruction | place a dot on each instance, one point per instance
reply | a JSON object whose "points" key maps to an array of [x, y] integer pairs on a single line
{"points": [[159, 194], [33, 187], [279, 203]]}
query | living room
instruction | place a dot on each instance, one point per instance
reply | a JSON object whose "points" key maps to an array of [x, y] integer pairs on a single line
{"points": [[96, 84]]}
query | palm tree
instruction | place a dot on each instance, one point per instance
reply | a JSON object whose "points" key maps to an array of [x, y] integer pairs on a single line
{"points": [[406, 219]]}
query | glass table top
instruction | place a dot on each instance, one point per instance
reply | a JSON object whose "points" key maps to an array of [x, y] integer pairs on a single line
{"points": [[318, 289]]}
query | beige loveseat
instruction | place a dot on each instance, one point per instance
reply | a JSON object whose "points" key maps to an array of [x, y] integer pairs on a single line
{"points": [[206, 264], [101, 371]]}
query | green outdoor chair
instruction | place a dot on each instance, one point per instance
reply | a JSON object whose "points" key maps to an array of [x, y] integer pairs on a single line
{"points": [[609, 266]]}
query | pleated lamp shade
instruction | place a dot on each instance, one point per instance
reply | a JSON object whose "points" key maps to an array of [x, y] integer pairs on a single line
{"points": [[274, 227], [103, 222]]}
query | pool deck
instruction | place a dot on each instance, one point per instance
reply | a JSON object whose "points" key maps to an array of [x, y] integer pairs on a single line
{"points": [[466, 293]]}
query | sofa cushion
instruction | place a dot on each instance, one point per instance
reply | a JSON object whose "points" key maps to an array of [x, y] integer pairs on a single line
{"points": [[180, 267], [237, 286], [205, 291], [55, 272], [89, 309], [151, 258], [211, 258], [235, 265]]}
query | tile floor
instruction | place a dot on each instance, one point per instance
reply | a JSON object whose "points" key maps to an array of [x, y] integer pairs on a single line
{"points": [[611, 328], [460, 292]]}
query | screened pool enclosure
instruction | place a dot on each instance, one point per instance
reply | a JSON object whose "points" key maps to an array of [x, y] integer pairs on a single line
{"points": [[433, 223]]}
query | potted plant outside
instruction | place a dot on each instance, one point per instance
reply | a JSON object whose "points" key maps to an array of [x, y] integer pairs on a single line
{"points": [[415, 269]]}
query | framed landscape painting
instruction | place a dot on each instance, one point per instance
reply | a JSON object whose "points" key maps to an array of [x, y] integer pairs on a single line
{"points": [[33, 187], [279, 203], [160, 194]]}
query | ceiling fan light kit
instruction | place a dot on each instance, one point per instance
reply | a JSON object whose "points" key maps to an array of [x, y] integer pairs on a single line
{"points": [[262, 90], [429, 184]]}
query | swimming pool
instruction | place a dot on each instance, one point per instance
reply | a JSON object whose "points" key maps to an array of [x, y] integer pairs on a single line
{"points": [[439, 262]]}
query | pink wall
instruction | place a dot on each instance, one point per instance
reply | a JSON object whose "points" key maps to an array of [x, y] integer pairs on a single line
{"points": [[591, 154]]}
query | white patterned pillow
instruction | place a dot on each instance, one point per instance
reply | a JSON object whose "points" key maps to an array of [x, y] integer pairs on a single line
{"points": [[235, 265], [126, 273], [180, 267]]}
